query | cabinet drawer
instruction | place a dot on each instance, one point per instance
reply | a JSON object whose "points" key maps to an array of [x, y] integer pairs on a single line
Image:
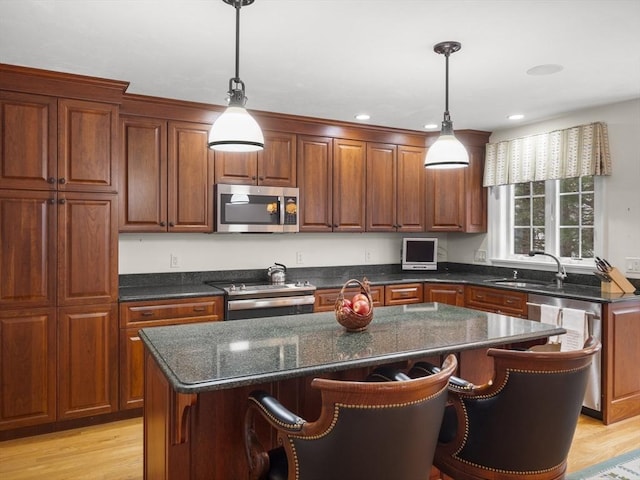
{"points": [[402, 294], [496, 300], [132, 313], [326, 298]]}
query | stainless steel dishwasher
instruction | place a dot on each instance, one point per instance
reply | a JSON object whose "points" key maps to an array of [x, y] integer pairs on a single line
{"points": [[592, 404]]}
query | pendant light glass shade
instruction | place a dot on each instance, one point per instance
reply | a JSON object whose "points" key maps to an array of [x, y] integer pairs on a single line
{"points": [[447, 151], [236, 130]]}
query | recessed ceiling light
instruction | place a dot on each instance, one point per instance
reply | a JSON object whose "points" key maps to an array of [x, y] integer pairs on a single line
{"points": [[363, 116], [431, 126], [547, 69], [516, 116]]}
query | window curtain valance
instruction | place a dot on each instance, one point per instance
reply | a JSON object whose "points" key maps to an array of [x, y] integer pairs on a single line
{"points": [[572, 152]]}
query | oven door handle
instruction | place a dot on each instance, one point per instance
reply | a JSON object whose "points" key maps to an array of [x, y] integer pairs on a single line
{"points": [[254, 303]]}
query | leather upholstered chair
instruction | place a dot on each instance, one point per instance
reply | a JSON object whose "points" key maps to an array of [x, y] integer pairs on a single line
{"points": [[520, 424], [371, 430]]}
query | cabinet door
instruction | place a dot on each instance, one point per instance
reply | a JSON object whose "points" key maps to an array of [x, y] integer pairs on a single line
{"points": [[190, 182], [277, 162], [450, 294], [143, 170], [87, 134], [445, 200], [28, 252], [620, 360], [236, 168], [410, 189], [403, 294], [27, 368], [475, 193], [88, 360], [28, 139], [131, 369], [349, 186], [87, 248], [315, 173], [381, 188]]}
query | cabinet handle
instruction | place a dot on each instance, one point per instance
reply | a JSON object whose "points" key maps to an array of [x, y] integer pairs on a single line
{"points": [[51, 201], [162, 224], [171, 224], [62, 181], [147, 314], [62, 201], [199, 309], [335, 225], [261, 178], [509, 302], [253, 177], [51, 180]]}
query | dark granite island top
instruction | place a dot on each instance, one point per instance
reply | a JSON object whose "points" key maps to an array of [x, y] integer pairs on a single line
{"points": [[211, 356]]}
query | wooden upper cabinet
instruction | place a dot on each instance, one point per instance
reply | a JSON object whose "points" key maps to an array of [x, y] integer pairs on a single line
{"points": [[445, 200], [349, 185], [274, 166], [410, 189], [28, 140], [190, 185], [315, 174], [28, 253], [395, 188], [87, 134], [143, 169], [456, 199], [87, 248], [166, 176], [381, 177]]}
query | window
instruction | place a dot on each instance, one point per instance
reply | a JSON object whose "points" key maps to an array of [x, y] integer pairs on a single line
{"points": [[556, 216]]}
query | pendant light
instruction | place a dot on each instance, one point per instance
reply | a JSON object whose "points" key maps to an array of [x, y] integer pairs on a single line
{"points": [[447, 152], [236, 130]]}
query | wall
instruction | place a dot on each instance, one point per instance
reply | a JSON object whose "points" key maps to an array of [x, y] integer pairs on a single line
{"points": [[150, 253], [622, 189]]}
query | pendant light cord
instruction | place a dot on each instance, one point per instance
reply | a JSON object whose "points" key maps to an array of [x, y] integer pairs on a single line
{"points": [[238, 5], [446, 87]]}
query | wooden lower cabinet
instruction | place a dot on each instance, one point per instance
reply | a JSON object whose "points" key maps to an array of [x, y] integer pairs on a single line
{"points": [[27, 367], [449, 293], [154, 313], [87, 360], [326, 297], [403, 294], [496, 300], [620, 360]]}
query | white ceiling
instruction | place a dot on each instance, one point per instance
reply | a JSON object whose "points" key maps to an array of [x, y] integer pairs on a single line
{"points": [[335, 58]]}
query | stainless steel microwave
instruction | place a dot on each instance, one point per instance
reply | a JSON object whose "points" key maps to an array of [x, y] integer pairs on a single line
{"points": [[256, 209]]}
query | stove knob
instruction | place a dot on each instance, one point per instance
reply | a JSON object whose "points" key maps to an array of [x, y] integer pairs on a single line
{"points": [[306, 283], [243, 287], [232, 288], [299, 283]]}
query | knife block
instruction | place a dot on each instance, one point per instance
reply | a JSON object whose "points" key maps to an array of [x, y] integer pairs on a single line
{"points": [[618, 283]]}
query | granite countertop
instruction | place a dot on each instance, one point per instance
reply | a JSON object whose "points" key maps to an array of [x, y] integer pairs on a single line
{"points": [[165, 286], [217, 355]]}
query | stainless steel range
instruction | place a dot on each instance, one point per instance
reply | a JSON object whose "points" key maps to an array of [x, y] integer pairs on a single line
{"points": [[261, 300]]}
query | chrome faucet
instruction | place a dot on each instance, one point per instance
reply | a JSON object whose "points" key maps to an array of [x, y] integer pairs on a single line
{"points": [[561, 274]]}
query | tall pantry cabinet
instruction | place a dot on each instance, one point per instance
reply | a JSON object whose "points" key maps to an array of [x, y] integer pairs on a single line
{"points": [[58, 255]]}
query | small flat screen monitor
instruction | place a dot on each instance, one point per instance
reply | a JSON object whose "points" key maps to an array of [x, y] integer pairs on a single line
{"points": [[419, 253]]}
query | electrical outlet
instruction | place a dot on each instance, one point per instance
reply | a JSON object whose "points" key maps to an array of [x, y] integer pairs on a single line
{"points": [[367, 256], [174, 261], [299, 259], [632, 264], [480, 256]]}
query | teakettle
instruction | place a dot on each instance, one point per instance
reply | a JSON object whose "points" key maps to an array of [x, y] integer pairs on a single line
{"points": [[276, 273]]}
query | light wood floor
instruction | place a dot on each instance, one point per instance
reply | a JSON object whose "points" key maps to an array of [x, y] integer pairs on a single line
{"points": [[114, 451]]}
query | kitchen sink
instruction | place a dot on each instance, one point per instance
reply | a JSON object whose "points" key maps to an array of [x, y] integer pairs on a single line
{"points": [[523, 283]]}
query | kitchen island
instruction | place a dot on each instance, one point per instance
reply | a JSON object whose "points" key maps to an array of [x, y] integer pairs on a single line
{"points": [[198, 376]]}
